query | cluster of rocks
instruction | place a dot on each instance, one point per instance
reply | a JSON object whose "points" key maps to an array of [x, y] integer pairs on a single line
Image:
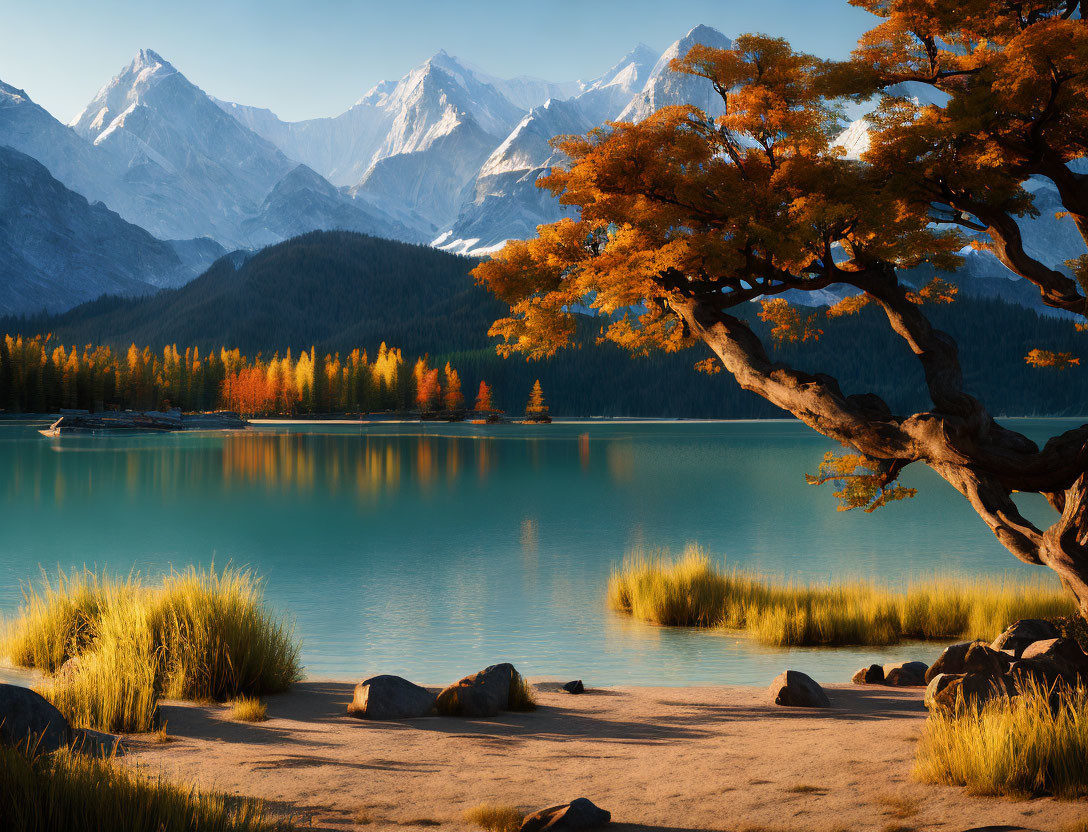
{"points": [[895, 675], [1030, 651], [480, 695]]}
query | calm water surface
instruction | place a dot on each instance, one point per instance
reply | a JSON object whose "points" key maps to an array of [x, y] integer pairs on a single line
{"points": [[430, 551]]}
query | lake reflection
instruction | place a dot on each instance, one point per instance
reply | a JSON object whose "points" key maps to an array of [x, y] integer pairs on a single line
{"points": [[432, 550]]}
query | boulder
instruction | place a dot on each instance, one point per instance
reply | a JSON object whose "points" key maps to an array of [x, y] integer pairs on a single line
{"points": [[1023, 634], [1042, 672], [482, 694], [975, 689], [982, 658], [97, 743], [569, 817], [871, 675], [936, 685], [950, 660], [575, 687], [796, 689], [905, 674], [390, 697], [1064, 653], [28, 720]]}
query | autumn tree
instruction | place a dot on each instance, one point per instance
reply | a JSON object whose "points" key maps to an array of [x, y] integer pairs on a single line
{"points": [[484, 403], [536, 408], [248, 391], [684, 218], [453, 398], [428, 390]]}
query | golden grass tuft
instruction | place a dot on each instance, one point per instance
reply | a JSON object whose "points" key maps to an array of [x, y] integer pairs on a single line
{"points": [[693, 591], [522, 695], [196, 634], [495, 818], [1032, 744], [248, 709], [899, 806], [66, 790]]}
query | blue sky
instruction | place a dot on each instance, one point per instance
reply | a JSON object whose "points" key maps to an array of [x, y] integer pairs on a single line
{"points": [[306, 58]]}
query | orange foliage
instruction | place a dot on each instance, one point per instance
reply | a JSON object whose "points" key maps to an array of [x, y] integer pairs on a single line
{"points": [[862, 482], [428, 391], [536, 406], [788, 323], [685, 204], [848, 306], [938, 290], [248, 391], [483, 398], [454, 399], [1048, 358]]}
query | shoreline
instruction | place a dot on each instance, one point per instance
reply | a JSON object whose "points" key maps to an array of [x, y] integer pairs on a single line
{"points": [[696, 758], [27, 418]]}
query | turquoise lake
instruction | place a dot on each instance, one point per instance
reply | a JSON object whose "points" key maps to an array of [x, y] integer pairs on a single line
{"points": [[431, 551]]}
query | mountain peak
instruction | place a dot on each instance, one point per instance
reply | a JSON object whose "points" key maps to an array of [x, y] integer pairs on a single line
{"points": [[704, 34], [125, 91], [149, 59]]}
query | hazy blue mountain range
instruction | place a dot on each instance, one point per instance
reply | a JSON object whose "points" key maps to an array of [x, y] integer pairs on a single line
{"points": [[57, 249], [447, 155]]}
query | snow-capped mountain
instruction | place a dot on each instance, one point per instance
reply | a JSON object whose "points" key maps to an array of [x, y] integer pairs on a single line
{"points": [[448, 154], [57, 250], [449, 150], [191, 169], [409, 147], [665, 88], [506, 203]]}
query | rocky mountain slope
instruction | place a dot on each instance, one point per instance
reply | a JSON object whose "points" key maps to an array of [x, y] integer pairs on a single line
{"points": [[57, 249]]}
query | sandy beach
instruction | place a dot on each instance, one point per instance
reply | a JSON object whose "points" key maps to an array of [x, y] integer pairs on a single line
{"points": [[697, 758]]}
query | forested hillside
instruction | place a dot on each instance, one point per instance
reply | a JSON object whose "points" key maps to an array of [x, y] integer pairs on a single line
{"points": [[336, 291]]}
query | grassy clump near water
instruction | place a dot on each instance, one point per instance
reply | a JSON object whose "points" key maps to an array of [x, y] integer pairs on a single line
{"points": [[196, 634], [1032, 744], [67, 790], [693, 591]]}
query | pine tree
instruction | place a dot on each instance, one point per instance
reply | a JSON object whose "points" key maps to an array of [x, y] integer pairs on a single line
{"points": [[536, 407]]}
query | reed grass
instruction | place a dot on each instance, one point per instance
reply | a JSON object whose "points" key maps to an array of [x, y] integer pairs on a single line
{"points": [[1032, 744], [60, 616], [196, 634], [495, 818], [522, 695], [693, 591], [66, 790]]}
